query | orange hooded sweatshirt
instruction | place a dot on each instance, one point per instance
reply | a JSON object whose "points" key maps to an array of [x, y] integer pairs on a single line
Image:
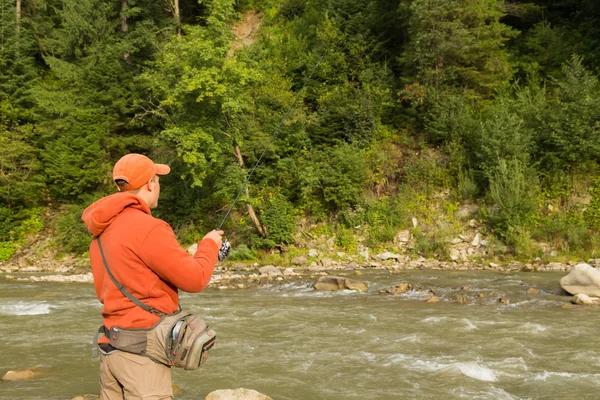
{"points": [[144, 256]]}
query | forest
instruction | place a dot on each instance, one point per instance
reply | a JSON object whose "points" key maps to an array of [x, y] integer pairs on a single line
{"points": [[414, 110]]}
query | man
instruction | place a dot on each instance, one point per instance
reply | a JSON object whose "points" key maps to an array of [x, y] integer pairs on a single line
{"points": [[144, 256]]}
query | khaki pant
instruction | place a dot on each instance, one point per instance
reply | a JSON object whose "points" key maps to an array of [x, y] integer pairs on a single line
{"points": [[126, 376]]}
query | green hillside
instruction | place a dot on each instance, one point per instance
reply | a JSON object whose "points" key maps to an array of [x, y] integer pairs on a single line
{"points": [[426, 116]]}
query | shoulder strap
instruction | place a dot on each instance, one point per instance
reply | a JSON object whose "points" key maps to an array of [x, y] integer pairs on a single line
{"points": [[122, 288]]}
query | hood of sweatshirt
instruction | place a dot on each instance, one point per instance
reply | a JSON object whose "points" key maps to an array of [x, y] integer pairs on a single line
{"points": [[98, 216]]}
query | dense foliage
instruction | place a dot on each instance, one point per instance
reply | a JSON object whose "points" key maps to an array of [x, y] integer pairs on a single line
{"points": [[498, 102]]}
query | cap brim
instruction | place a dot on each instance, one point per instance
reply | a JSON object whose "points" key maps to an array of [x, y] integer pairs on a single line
{"points": [[162, 169]]}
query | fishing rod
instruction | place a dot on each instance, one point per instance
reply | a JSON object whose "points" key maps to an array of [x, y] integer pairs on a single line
{"points": [[226, 246]]}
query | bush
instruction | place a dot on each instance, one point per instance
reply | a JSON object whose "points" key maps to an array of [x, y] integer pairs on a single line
{"points": [[592, 214], [7, 249], [345, 238], [514, 192], [71, 234], [242, 253], [280, 223], [335, 177], [429, 246]]}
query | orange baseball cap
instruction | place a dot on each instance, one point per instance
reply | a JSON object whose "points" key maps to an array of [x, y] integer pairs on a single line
{"points": [[137, 170]]}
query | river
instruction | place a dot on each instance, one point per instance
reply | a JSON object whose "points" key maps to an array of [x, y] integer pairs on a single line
{"points": [[289, 341]]}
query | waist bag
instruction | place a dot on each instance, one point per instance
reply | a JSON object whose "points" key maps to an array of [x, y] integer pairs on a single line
{"points": [[180, 339]]}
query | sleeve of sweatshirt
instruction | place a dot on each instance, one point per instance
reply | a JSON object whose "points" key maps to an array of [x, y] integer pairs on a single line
{"points": [[163, 254]]}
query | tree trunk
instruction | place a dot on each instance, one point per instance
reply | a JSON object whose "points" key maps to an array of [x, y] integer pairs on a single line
{"points": [[177, 16], [123, 16], [124, 26], [18, 7], [174, 7], [259, 227]]}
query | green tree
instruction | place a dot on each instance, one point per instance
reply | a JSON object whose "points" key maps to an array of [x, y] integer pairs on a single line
{"points": [[460, 43]]}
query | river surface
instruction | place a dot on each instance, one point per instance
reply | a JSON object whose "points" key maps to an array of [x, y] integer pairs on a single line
{"points": [[291, 342]]}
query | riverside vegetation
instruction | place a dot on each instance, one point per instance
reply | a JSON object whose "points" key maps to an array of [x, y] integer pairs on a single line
{"points": [[466, 132]]}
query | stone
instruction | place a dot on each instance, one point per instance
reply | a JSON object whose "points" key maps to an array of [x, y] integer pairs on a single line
{"points": [[312, 253], [404, 236], [331, 283], [476, 240], [493, 265], [86, 397], [585, 300], [192, 249], [387, 255], [454, 254], [533, 291], [583, 279], [555, 266], [434, 299], [327, 262], [236, 394], [270, 270], [298, 260], [19, 375]]}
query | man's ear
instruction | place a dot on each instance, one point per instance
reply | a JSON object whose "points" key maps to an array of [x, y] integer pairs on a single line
{"points": [[150, 185]]}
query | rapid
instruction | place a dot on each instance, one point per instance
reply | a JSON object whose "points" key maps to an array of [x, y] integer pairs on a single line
{"points": [[289, 341]]}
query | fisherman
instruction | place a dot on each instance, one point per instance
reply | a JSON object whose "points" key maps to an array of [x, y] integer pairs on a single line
{"points": [[145, 257]]}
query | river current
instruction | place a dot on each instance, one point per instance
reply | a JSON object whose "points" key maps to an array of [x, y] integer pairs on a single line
{"points": [[289, 341]]}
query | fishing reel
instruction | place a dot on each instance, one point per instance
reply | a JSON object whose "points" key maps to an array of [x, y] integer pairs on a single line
{"points": [[224, 250]]}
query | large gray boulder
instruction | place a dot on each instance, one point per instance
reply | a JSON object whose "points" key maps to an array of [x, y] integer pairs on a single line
{"points": [[583, 278], [236, 394]]}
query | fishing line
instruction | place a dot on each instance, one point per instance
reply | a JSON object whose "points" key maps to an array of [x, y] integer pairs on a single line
{"points": [[271, 140]]}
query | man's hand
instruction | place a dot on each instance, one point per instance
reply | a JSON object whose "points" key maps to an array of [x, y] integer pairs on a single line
{"points": [[215, 236]]}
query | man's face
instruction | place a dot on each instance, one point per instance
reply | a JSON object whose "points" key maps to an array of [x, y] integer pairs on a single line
{"points": [[155, 193]]}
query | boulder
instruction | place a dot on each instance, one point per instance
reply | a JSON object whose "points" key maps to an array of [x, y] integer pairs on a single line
{"points": [[584, 279], [584, 300], [236, 394], [387, 255], [19, 375], [299, 260], [330, 283], [270, 270]]}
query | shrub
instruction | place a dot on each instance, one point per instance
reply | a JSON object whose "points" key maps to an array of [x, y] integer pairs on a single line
{"points": [[280, 223], [336, 177], [71, 234], [7, 249], [514, 192], [346, 238], [242, 253], [429, 245], [592, 214]]}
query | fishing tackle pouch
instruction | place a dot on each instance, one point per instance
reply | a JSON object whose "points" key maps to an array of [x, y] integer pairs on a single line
{"points": [[181, 340]]}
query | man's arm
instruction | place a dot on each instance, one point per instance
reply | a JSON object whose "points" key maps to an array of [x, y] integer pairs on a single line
{"points": [[163, 254]]}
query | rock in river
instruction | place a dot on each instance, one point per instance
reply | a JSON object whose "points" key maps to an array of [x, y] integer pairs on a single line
{"points": [[340, 283], [583, 278]]}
